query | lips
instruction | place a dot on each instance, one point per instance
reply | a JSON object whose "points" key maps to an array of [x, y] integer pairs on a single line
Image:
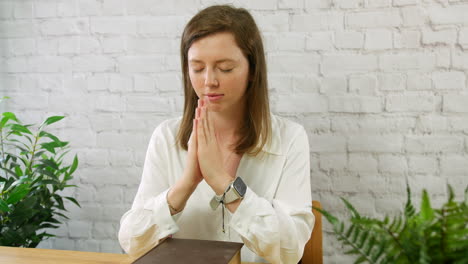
{"points": [[214, 97]]}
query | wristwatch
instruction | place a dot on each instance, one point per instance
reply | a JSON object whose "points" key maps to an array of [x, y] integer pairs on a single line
{"points": [[235, 191]]}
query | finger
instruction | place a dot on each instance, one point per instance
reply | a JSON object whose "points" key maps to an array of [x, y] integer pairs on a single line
{"points": [[195, 133], [207, 117], [195, 143], [205, 126], [200, 134], [212, 127]]}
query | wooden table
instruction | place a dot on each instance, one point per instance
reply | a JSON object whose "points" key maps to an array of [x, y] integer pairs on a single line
{"points": [[13, 255]]}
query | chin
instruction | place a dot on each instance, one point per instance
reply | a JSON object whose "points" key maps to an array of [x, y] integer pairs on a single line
{"points": [[215, 108]]}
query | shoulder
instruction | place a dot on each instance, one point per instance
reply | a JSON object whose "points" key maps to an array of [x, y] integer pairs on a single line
{"points": [[167, 130], [285, 133], [285, 128]]}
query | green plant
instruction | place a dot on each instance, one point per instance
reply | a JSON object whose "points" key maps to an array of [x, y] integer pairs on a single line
{"points": [[32, 175], [428, 236]]}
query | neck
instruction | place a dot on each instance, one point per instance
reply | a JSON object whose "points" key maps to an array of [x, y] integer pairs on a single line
{"points": [[228, 124]]}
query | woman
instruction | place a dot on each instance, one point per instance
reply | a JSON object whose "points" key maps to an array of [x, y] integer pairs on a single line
{"points": [[227, 151]]}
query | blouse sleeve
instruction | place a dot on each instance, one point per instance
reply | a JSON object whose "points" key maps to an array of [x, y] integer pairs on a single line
{"points": [[278, 230], [149, 219]]}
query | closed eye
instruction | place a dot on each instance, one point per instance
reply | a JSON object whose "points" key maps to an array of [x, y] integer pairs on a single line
{"points": [[226, 70]]}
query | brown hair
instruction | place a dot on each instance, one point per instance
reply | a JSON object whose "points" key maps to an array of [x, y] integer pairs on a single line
{"points": [[256, 131]]}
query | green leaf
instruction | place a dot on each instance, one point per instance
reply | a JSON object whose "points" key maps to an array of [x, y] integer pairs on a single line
{"points": [[51, 146], [49, 163], [18, 171], [20, 128], [6, 117], [73, 200], [74, 165], [49, 135], [4, 206], [52, 120], [351, 208], [18, 193], [427, 213]]}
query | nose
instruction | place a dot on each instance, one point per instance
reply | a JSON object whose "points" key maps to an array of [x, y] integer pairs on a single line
{"points": [[211, 79]]}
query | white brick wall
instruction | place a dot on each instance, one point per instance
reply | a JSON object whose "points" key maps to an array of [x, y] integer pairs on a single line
{"points": [[379, 85]]}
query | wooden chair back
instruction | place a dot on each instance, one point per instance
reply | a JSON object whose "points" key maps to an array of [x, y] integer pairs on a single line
{"points": [[313, 253]]}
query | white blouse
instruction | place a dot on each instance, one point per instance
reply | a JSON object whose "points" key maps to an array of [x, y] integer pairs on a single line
{"points": [[274, 220]]}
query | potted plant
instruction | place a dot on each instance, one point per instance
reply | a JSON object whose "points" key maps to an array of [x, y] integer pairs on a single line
{"points": [[33, 174], [428, 236]]}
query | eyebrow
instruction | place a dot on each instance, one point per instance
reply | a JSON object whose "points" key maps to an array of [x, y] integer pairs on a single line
{"points": [[218, 61]]}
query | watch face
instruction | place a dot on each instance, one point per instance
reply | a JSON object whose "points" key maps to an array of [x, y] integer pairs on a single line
{"points": [[240, 186]]}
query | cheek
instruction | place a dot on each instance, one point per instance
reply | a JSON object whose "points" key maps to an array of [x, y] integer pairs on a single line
{"points": [[197, 82]]}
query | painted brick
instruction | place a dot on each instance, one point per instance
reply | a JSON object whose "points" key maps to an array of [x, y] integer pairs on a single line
{"points": [[449, 80], [320, 41], [60, 27], [373, 19], [296, 63], [434, 144], [392, 82], [137, 103], [333, 161], [355, 104], [423, 164], [115, 26], [362, 163], [454, 164], [307, 103], [404, 62], [317, 21], [327, 143], [377, 143], [432, 123], [339, 64], [448, 36], [349, 39], [448, 15], [407, 39], [417, 81], [378, 39], [93, 63], [291, 42], [455, 103], [307, 84], [276, 22], [410, 103], [363, 84], [334, 85], [141, 64], [463, 37], [17, 29], [314, 4], [392, 164]]}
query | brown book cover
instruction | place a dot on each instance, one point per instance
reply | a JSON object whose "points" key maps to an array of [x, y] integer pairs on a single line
{"points": [[193, 251]]}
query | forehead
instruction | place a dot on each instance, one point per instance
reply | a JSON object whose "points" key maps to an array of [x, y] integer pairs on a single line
{"points": [[215, 47]]}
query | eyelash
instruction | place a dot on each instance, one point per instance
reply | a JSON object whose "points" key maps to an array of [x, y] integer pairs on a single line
{"points": [[225, 71]]}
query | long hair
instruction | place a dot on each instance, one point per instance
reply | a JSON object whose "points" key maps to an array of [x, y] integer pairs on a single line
{"points": [[256, 130]]}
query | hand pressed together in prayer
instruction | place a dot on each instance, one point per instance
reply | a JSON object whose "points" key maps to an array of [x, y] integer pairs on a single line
{"points": [[208, 152]]}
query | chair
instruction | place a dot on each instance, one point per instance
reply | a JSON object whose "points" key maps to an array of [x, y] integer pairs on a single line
{"points": [[313, 250]]}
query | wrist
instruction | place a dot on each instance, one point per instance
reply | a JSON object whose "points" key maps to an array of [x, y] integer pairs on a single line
{"points": [[221, 184], [188, 183]]}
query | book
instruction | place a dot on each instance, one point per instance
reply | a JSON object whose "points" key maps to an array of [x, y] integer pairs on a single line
{"points": [[192, 251]]}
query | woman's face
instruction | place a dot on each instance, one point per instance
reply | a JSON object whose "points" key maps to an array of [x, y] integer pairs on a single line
{"points": [[219, 71]]}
